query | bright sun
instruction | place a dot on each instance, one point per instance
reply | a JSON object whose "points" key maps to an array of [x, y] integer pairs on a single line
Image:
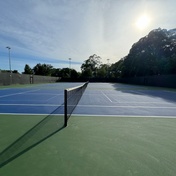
{"points": [[142, 22]]}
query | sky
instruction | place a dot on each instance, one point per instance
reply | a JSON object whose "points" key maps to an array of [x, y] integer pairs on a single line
{"points": [[52, 31]]}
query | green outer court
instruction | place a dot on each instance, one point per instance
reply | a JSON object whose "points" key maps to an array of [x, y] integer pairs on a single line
{"points": [[94, 146]]}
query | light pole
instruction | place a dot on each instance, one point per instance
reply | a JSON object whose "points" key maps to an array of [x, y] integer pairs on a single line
{"points": [[108, 61], [70, 67], [9, 59], [107, 68], [69, 63]]}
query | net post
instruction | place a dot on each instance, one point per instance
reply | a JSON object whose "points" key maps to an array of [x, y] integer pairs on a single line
{"points": [[65, 107]]}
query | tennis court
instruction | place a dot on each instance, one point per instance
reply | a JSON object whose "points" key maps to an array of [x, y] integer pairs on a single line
{"points": [[116, 129]]}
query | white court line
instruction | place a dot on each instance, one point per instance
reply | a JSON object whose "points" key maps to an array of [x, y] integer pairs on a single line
{"points": [[106, 96], [115, 101], [92, 115], [137, 92], [19, 93], [121, 106], [143, 102], [31, 105], [123, 116], [45, 94], [28, 114], [170, 91], [52, 97]]}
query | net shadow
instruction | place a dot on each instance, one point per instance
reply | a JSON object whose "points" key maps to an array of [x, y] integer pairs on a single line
{"points": [[47, 127]]}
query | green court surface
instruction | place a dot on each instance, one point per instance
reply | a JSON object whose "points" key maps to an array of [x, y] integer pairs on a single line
{"points": [[94, 146]]}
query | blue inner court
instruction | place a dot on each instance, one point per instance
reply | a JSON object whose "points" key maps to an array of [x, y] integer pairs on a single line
{"points": [[98, 99]]}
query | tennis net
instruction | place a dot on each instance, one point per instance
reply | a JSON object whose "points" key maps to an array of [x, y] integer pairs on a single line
{"points": [[71, 99]]}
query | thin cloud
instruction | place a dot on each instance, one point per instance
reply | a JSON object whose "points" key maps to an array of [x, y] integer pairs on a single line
{"points": [[58, 30]]}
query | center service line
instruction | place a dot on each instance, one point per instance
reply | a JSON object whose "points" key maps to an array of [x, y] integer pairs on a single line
{"points": [[106, 96]]}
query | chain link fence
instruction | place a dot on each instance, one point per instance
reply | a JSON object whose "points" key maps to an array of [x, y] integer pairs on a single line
{"points": [[157, 80]]}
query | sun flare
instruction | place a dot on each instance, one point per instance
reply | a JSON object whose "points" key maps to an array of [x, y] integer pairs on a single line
{"points": [[143, 22]]}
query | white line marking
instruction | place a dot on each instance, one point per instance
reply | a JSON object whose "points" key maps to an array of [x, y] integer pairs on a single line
{"points": [[92, 106], [52, 98], [94, 115], [19, 93], [137, 92], [121, 106], [45, 94], [22, 114], [135, 102], [123, 116], [106, 96], [31, 105]]}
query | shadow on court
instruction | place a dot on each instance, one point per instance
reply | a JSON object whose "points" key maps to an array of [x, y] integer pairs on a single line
{"points": [[166, 94], [47, 127]]}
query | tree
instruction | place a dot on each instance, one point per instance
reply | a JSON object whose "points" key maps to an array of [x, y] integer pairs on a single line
{"points": [[87, 73], [27, 70], [73, 74], [65, 73], [56, 72], [90, 66], [43, 69], [116, 69], [153, 54], [102, 72]]}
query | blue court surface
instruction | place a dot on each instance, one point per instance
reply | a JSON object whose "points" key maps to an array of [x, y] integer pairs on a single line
{"points": [[127, 100], [38, 99], [101, 99]]}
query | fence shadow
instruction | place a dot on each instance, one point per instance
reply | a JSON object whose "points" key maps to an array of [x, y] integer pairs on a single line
{"points": [[47, 127]]}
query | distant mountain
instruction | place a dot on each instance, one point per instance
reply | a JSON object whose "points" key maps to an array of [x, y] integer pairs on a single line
{"points": [[153, 54]]}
